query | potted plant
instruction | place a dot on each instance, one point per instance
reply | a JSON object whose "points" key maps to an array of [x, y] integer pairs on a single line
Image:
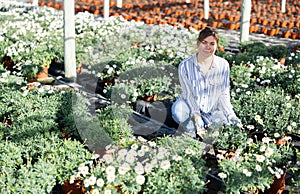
{"points": [[137, 165], [30, 71], [223, 42], [150, 88], [254, 165]]}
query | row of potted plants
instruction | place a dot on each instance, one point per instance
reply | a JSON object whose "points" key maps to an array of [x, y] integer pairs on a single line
{"points": [[191, 14], [135, 55]]}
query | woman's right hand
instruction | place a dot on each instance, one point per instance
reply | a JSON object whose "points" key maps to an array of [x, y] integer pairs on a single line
{"points": [[199, 124]]}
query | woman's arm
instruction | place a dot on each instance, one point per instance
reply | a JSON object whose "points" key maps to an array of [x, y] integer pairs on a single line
{"points": [[224, 100], [187, 89]]}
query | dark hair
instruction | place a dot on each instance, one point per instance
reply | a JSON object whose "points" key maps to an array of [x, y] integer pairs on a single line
{"points": [[208, 31]]}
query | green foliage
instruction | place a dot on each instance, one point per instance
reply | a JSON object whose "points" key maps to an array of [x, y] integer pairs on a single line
{"points": [[268, 110], [249, 51], [261, 160], [223, 41], [114, 121], [39, 162], [135, 165], [278, 51]]}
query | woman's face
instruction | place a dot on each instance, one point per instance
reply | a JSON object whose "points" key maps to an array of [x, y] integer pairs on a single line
{"points": [[207, 47]]}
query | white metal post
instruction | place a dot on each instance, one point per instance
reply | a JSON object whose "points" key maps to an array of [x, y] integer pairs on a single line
{"points": [[69, 40], [283, 5], [106, 9], [245, 20], [206, 9], [35, 2], [119, 3]]}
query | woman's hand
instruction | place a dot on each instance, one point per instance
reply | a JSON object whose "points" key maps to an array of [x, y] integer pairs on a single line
{"points": [[199, 124]]}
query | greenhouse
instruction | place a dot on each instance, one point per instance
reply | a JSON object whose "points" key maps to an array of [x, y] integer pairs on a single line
{"points": [[88, 90]]}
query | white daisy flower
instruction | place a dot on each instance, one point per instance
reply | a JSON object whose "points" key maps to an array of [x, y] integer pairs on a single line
{"points": [[222, 175], [165, 164], [140, 179], [100, 182]]}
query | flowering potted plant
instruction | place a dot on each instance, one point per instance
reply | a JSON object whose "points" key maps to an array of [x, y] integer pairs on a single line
{"points": [[151, 87], [254, 165], [137, 165]]}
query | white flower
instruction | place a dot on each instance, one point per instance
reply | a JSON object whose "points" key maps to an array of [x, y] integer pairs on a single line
{"points": [[86, 183], [288, 105], [130, 158], [222, 175], [271, 170], [289, 128], [141, 139], [250, 141], [108, 158], [276, 135], [145, 148], [250, 127], [148, 167], [124, 168], [247, 172], [266, 140], [140, 153], [294, 124], [139, 168], [152, 144], [72, 179], [260, 158], [134, 146], [165, 164], [122, 152], [160, 155], [177, 158], [111, 178], [258, 168], [123, 96], [140, 179], [95, 191], [84, 170], [110, 170], [262, 148], [107, 191], [269, 152], [220, 156], [132, 152], [100, 182], [189, 151], [92, 180], [257, 117]]}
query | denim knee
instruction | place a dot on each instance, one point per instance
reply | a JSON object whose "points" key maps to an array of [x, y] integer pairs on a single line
{"points": [[180, 111]]}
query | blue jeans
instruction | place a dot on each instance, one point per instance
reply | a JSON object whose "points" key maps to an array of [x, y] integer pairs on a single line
{"points": [[181, 114]]}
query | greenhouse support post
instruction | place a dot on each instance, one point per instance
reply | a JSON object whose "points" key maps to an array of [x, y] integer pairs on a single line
{"points": [[69, 40], [106, 9], [119, 3], [35, 2], [206, 9], [245, 20], [283, 4]]}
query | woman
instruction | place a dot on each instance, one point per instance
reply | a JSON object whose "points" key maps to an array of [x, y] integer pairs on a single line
{"points": [[205, 98]]}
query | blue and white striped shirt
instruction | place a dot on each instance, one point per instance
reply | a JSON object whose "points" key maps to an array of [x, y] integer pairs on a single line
{"points": [[206, 94]]}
